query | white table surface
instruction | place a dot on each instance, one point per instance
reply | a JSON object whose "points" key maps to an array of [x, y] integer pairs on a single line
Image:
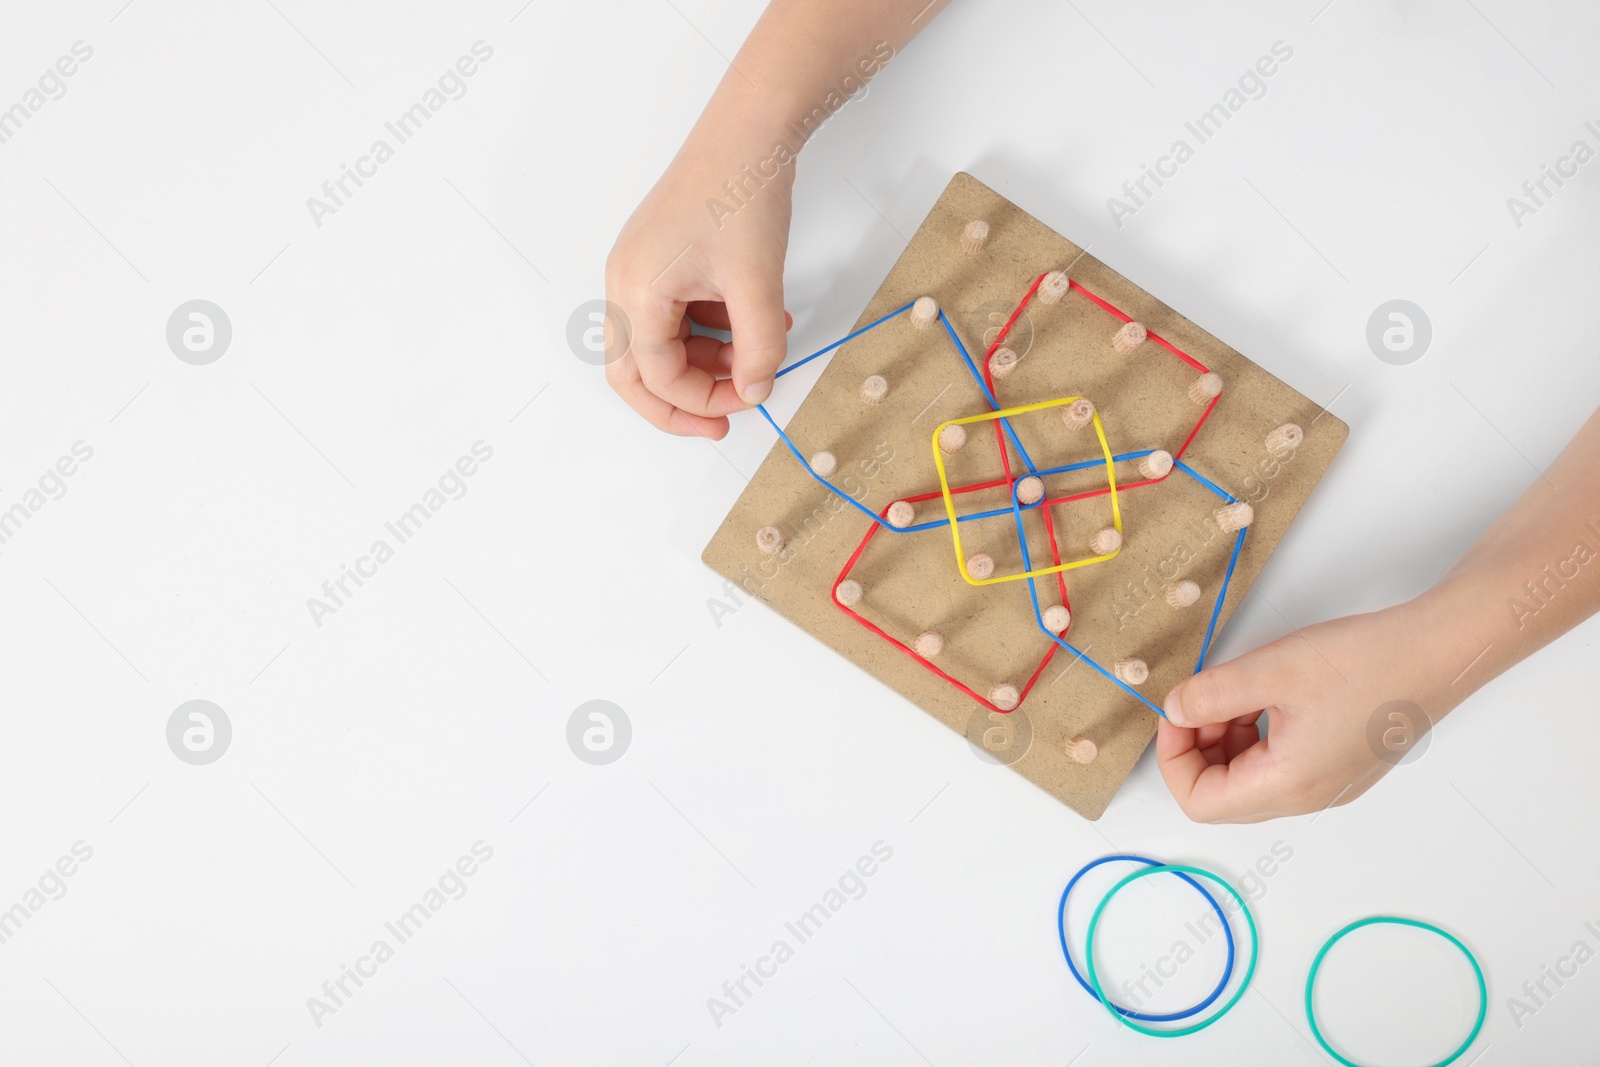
{"points": [[370, 752]]}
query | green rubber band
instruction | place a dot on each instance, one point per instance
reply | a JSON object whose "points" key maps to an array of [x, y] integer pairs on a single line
{"points": [[1094, 979], [1316, 965]]}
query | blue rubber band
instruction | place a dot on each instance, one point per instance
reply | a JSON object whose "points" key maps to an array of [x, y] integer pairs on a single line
{"points": [[994, 405], [851, 337], [1203, 480], [1228, 1005], [1129, 1013], [1216, 609]]}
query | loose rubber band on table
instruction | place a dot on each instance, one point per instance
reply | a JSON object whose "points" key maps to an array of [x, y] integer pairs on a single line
{"points": [[985, 383], [1316, 965], [1094, 924], [1227, 929]]}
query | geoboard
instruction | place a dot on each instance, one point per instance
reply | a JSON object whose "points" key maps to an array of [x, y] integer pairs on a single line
{"points": [[1013, 429]]}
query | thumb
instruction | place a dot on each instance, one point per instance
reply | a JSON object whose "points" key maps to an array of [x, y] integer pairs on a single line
{"points": [[1214, 774], [759, 325], [1225, 692]]}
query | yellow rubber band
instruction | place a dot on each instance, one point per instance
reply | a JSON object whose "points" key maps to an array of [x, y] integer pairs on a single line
{"points": [[950, 504]]}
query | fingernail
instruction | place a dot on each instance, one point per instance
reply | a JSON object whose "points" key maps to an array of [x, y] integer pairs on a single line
{"points": [[1174, 708], [756, 392]]}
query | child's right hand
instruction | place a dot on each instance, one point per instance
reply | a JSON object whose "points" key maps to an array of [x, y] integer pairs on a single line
{"points": [[675, 261], [1321, 689]]}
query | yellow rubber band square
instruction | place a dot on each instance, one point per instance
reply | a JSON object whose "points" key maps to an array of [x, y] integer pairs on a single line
{"points": [[950, 504]]}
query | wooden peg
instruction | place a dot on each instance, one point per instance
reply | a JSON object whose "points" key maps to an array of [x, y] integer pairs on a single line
{"points": [[1156, 465], [769, 540], [975, 236], [951, 438], [1128, 338], [1003, 362], [1206, 388], [1182, 594], [1234, 517], [1082, 750], [1030, 490], [1105, 542], [848, 592], [980, 566], [924, 312], [1131, 671], [928, 645], [1004, 696], [1284, 439], [1054, 287], [900, 514], [1057, 618], [1078, 414], [824, 463], [874, 389]]}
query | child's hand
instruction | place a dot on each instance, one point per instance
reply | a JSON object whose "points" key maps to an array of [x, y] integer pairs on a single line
{"points": [[677, 261], [1321, 688]]}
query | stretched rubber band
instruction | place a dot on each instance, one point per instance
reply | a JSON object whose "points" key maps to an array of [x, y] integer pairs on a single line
{"points": [[1061, 932], [797, 364], [1094, 925], [1316, 965]]}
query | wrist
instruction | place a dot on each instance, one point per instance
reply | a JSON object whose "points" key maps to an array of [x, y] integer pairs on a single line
{"points": [[741, 126], [727, 161], [1454, 641]]}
